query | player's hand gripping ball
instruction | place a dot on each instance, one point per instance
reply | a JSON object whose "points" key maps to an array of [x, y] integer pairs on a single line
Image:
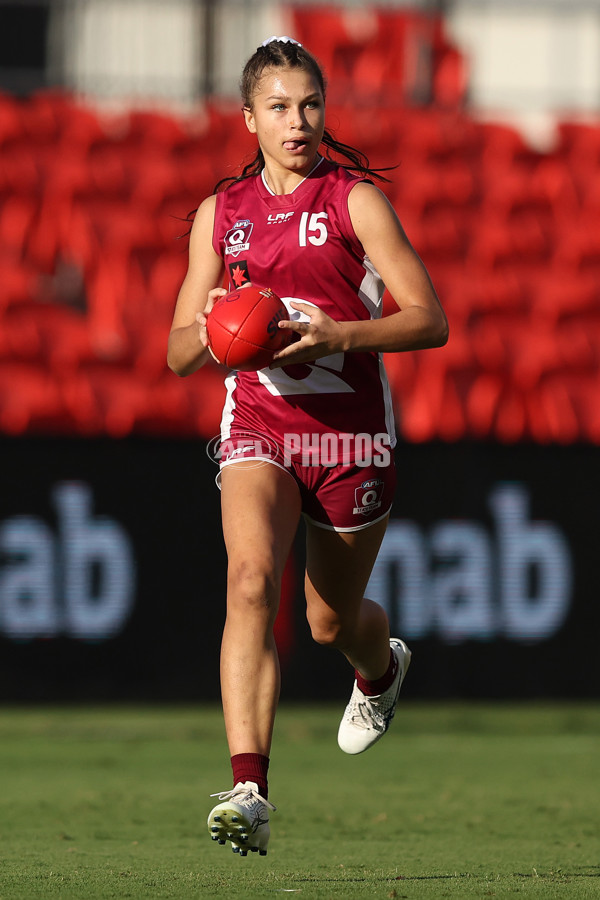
{"points": [[242, 328]]}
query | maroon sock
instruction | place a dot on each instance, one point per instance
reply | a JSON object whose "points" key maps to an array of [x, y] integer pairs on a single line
{"points": [[374, 688], [251, 767]]}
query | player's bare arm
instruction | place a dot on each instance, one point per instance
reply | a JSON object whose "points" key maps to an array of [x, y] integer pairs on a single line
{"points": [[420, 322], [187, 340]]}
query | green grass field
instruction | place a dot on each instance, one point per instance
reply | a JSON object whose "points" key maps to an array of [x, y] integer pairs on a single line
{"points": [[457, 801]]}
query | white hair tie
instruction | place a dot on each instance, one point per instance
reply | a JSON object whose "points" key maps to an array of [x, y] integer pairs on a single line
{"points": [[284, 40]]}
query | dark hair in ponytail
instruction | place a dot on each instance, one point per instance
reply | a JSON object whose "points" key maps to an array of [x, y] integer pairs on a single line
{"points": [[290, 55], [357, 162]]}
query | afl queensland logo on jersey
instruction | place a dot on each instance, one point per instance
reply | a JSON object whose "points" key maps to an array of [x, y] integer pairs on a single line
{"points": [[237, 239]]}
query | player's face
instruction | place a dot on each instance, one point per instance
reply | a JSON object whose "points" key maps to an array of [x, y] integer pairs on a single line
{"points": [[288, 118]]}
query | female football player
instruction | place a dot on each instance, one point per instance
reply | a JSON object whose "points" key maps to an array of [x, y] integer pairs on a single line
{"points": [[319, 419]]}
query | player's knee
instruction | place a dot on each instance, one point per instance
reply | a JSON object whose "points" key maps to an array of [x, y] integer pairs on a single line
{"points": [[327, 631], [251, 585]]}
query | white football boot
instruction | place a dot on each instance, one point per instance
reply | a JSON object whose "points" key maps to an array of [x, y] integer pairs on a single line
{"points": [[242, 818], [366, 719]]}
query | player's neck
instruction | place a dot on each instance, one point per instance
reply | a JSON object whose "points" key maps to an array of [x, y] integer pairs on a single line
{"points": [[285, 182]]}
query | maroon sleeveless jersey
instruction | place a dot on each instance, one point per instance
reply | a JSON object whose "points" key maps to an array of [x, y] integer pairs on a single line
{"points": [[303, 246]]}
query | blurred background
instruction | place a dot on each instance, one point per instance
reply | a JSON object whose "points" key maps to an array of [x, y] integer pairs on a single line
{"points": [[117, 117]]}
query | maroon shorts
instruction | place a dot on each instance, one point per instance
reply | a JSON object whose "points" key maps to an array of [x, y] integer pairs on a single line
{"points": [[340, 497]]}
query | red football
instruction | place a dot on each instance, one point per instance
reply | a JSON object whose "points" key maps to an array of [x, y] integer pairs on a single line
{"points": [[242, 328]]}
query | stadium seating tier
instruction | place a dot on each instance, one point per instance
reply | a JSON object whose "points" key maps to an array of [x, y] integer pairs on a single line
{"points": [[93, 207]]}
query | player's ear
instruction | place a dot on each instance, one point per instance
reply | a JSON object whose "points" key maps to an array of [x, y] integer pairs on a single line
{"points": [[249, 117]]}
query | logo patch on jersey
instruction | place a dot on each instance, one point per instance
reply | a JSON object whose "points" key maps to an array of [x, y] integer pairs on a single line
{"points": [[279, 218], [367, 497], [238, 273], [237, 239]]}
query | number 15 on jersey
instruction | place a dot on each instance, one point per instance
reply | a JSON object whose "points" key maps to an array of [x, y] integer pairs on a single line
{"points": [[312, 229]]}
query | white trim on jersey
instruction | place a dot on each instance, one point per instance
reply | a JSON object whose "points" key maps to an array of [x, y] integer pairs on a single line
{"points": [[390, 423], [316, 166], [370, 293], [371, 289], [228, 406]]}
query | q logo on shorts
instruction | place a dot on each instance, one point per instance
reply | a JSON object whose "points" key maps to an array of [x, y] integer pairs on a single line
{"points": [[367, 497]]}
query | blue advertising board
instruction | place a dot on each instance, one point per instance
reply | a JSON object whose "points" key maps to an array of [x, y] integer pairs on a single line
{"points": [[113, 570]]}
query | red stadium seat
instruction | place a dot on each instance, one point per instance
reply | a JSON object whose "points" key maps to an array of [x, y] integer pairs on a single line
{"points": [[80, 126], [450, 78], [41, 117], [490, 294], [21, 170], [438, 136], [53, 335], [423, 136], [503, 147], [433, 409], [491, 246], [199, 172], [118, 397], [579, 146], [552, 185], [17, 216], [481, 404], [11, 126], [154, 177], [67, 175], [509, 190], [579, 246], [510, 424], [108, 174], [375, 132], [419, 185], [107, 301], [551, 413], [559, 294], [81, 404], [207, 396], [21, 338], [522, 243], [535, 355], [435, 406], [402, 371], [491, 346], [586, 397], [335, 36], [459, 184], [29, 400], [155, 130], [151, 350], [18, 281], [165, 278], [169, 408], [443, 238], [63, 229]]}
